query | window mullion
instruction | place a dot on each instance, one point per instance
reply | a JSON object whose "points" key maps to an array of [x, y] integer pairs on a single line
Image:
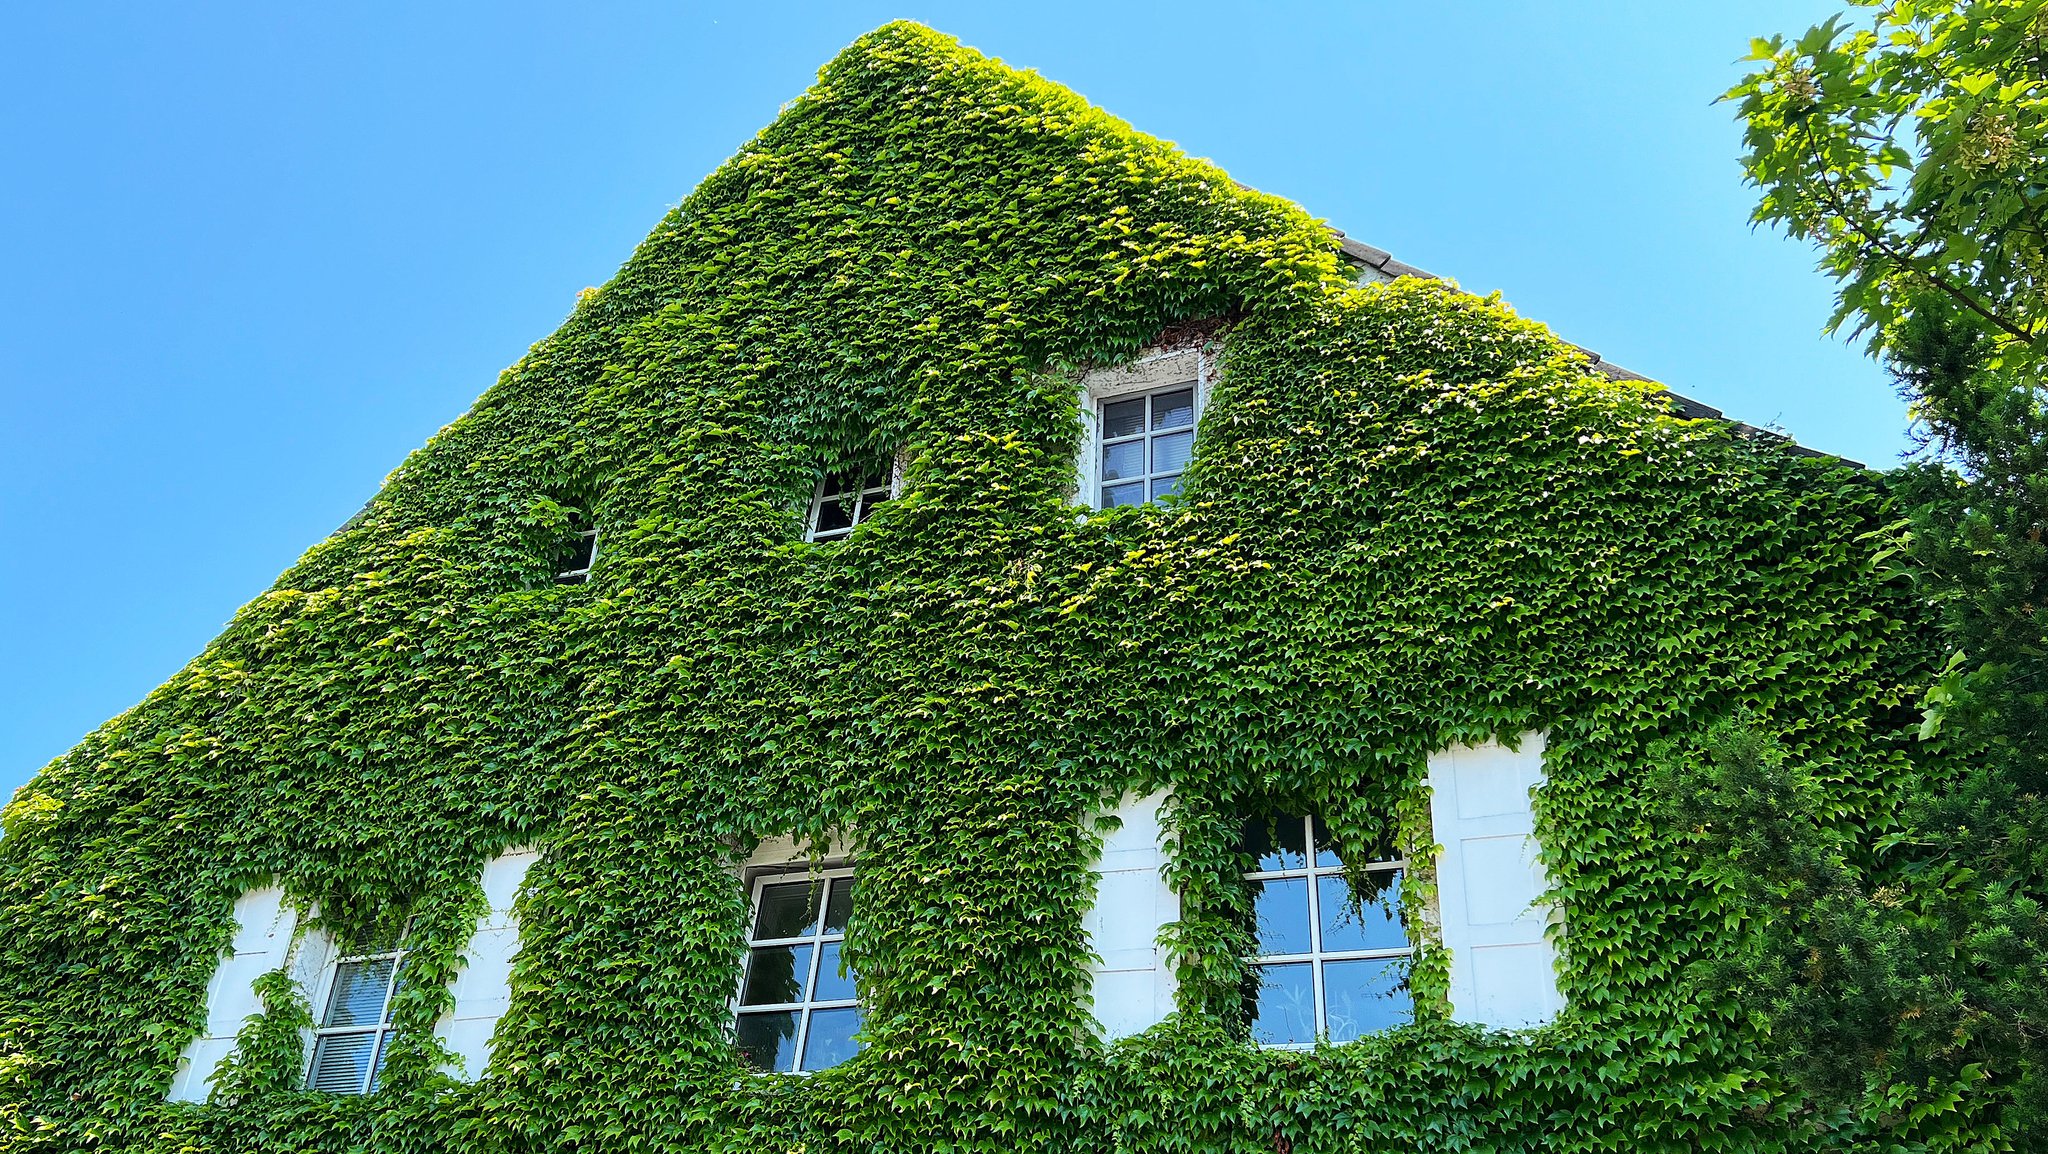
{"points": [[1146, 442], [390, 988], [811, 979], [380, 1034], [803, 1033], [810, 990], [1315, 928]]}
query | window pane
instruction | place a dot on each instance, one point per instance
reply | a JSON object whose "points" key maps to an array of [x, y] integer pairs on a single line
{"points": [[835, 513], [839, 907], [830, 1040], [1116, 495], [1280, 912], [1325, 855], [579, 551], [768, 1041], [1125, 460], [1285, 1010], [1371, 923], [341, 1061], [1173, 410], [838, 483], [776, 975], [383, 1053], [1165, 487], [878, 477], [788, 910], [358, 998], [833, 984], [1123, 418], [1365, 997], [1170, 451], [1277, 842]]}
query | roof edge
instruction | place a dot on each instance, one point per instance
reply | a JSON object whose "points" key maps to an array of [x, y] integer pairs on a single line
{"points": [[1383, 262]]}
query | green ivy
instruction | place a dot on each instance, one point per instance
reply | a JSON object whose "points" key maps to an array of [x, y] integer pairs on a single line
{"points": [[1414, 519]]}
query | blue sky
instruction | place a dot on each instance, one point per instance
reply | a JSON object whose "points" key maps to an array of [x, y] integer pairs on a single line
{"points": [[251, 255]]}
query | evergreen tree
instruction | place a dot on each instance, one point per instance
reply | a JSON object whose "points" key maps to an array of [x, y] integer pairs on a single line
{"points": [[1911, 145]]}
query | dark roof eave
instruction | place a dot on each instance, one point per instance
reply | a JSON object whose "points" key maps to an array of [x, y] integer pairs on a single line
{"points": [[1380, 260]]}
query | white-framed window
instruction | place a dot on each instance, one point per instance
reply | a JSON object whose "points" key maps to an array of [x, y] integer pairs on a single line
{"points": [[1141, 420], [1146, 443], [353, 1035], [797, 1010], [1331, 963], [846, 498], [577, 560]]}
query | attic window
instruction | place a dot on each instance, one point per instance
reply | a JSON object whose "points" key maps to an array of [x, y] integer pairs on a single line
{"points": [[1146, 442], [1141, 421], [1332, 963], [844, 499], [578, 552], [354, 1035]]}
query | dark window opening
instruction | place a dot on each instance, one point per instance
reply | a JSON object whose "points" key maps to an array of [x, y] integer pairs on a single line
{"points": [[844, 499], [799, 1007], [578, 552]]}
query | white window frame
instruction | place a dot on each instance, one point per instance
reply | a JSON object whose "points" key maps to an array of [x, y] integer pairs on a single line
{"points": [[863, 506], [1316, 955], [761, 879], [381, 1030], [578, 576], [1161, 372]]}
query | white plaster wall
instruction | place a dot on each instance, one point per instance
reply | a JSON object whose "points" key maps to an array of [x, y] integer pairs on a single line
{"points": [[264, 927], [1489, 882], [1133, 985], [483, 984], [785, 852]]}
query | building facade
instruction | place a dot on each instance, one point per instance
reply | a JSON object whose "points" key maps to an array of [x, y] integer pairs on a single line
{"points": [[985, 635]]}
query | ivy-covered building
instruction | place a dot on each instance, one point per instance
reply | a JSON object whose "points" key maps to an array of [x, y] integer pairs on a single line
{"points": [[984, 635]]}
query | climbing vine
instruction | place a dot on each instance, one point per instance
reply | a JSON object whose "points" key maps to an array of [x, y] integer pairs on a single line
{"points": [[1413, 519]]}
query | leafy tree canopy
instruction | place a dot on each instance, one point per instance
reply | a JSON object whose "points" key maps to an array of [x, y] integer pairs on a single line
{"points": [[1907, 146]]}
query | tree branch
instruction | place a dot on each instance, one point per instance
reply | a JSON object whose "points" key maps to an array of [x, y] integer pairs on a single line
{"points": [[1875, 239]]}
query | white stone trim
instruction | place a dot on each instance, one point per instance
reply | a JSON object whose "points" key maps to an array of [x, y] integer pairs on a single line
{"points": [[1132, 984], [1490, 884], [265, 926], [483, 984]]}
